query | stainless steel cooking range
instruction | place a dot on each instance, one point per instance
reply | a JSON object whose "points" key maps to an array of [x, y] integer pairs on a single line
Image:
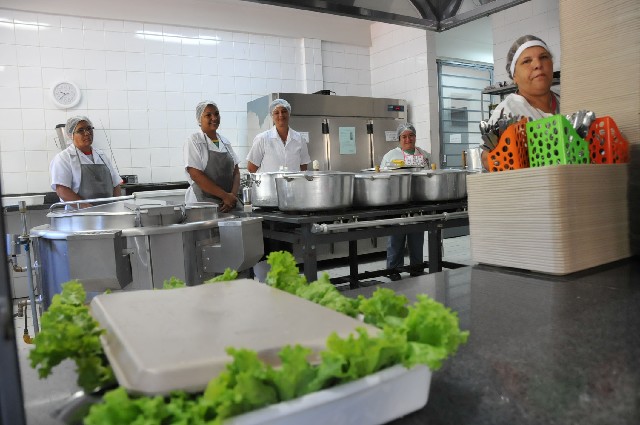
{"points": [[345, 133], [138, 243]]}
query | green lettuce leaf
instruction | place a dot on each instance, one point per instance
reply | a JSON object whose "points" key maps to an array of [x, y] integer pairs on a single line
{"points": [[68, 331]]}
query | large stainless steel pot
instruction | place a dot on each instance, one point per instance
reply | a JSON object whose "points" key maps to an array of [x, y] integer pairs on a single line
{"points": [[263, 189], [438, 185], [315, 190], [200, 211], [131, 246], [118, 215], [379, 189]]}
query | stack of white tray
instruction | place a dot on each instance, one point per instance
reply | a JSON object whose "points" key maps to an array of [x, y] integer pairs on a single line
{"points": [[556, 219]]}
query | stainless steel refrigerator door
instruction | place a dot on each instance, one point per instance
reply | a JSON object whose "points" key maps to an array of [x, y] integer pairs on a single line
{"points": [[311, 130], [349, 144], [384, 137]]}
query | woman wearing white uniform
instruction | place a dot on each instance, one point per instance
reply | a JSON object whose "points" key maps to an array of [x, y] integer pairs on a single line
{"points": [[81, 171], [281, 147], [412, 156], [530, 66], [211, 164], [407, 151]]}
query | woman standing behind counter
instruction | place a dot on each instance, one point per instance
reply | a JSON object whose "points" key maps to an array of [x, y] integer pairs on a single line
{"points": [[211, 164], [279, 148], [530, 66], [412, 156], [80, 171]]}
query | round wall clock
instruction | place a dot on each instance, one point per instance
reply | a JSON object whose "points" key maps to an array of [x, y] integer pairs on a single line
{"points": [[65, 94]]}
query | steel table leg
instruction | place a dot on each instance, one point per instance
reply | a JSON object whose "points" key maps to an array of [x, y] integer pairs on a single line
{"points": [[435, 249], [309, 254], [353, 264]]}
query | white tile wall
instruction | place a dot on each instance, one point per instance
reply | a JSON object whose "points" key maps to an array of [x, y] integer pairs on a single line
{"points": [[140, 84], [400, 60], [537, 17]]}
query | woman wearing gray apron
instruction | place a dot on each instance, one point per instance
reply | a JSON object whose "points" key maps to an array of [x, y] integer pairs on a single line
{"points": [[211, 164], [81, 172]]}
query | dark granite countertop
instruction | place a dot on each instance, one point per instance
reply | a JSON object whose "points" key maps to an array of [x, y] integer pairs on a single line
{"points": [[542, 349]]}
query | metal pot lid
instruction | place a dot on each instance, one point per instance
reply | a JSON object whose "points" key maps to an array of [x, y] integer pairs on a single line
{"points": [[380, 175]]}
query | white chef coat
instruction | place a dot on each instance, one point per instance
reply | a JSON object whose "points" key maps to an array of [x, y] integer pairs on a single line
{"points": [[65, 167], [196, 156], [269, 153], [517, 105], [398, 153]]}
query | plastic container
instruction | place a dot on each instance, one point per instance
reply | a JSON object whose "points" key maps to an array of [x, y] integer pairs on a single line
{"points": [[554, 141], [606, 144], [374, 399], [511, 151]]}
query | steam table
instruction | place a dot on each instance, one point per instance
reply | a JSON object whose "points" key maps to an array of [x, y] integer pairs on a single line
{"points": [[298, 228]]}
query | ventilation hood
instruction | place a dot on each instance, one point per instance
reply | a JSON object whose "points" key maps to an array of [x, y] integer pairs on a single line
{"points": [[432, 15]]}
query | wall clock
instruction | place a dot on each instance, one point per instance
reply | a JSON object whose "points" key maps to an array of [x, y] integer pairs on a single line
{"points": [[65, 94]]}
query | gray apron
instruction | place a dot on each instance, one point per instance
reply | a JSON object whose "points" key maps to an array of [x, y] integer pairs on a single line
{"points": [[95, 180], [219, 169]]}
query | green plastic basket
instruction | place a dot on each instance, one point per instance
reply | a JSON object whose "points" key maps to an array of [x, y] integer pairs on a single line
{"points": [[554, 141]]}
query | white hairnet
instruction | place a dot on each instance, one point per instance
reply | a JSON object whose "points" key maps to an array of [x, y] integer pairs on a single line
{"points": [[519, 46], [279, 102], [201, 107], [73, 122], [404, 127]]}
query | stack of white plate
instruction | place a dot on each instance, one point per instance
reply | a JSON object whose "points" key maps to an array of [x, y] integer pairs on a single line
{"points": [[557, 219]]}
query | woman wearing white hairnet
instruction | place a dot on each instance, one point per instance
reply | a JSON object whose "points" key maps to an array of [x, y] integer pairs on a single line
{"points": [[407, 151], [81, 171], [412, 156], [281, 147], [211, 164], [530, 66]]}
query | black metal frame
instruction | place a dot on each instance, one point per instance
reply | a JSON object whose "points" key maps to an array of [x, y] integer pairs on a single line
{"points": [[297, 229]]}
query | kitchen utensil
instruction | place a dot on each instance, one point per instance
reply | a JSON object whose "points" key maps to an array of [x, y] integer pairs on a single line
{"points": [[379, 189], [263, 189], [438, 185], [474, 159], [315, 190]]}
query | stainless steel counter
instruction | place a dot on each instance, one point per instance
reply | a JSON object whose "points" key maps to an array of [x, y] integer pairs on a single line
{"points": [[301, 229]]}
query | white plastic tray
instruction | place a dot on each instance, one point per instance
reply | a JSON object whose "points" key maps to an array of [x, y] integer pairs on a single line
{"points": [[163, 340], [375, 399]]}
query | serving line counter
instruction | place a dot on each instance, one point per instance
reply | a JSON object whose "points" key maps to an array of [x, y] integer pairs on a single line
{"points": [[312, 229], [542, 349]]}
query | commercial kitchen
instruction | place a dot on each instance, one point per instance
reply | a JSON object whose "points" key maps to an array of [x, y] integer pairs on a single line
{"points": [[550, 296]]}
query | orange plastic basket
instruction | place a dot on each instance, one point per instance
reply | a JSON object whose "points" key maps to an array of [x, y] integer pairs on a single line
{"points": [[511, 152], [606, 144]]}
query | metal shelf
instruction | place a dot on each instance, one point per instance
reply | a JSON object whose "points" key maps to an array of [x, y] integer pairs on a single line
{"points": [[510, 88]]}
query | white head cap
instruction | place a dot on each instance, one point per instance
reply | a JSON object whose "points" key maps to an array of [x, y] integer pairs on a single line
{"points": [[279, 102], [73, 122], [201, 107]]}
